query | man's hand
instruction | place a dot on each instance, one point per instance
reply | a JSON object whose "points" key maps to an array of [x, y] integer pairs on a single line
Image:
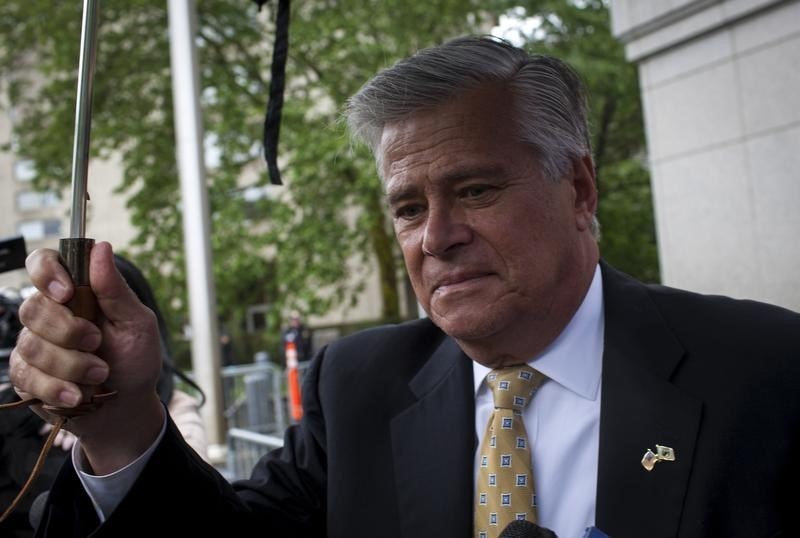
{"points": [[60, 358]]}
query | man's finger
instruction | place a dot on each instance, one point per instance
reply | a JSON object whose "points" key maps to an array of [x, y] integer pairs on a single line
{"points": [[69, 365], [48, 275], [56, 322], [30, 382]]}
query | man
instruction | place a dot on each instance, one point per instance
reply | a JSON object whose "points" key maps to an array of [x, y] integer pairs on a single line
{"points": [[485, 157], [297, 333]]}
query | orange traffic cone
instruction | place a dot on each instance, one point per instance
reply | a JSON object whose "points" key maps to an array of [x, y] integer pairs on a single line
{"points": [[293, 378]]}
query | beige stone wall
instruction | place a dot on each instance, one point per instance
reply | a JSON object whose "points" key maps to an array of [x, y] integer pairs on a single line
{"points": [[721, 92]]}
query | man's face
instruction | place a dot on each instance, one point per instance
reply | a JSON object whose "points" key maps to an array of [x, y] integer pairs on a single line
{"points": [[489, 243]]}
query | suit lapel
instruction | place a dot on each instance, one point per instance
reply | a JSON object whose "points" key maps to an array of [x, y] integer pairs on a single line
{"points": [[433, 443], [641, 408]]}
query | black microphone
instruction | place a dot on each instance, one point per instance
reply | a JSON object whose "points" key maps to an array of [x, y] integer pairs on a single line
{"points": [[521, 528], [36, 510]]}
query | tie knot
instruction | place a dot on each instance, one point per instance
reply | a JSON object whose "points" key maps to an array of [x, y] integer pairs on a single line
{"points": [[514, 386]]}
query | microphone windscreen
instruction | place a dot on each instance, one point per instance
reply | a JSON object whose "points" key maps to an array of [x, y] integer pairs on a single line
{"points": [[526, 529]]}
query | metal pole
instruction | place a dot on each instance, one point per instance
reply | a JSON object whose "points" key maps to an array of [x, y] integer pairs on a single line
{"points": [[196, 226], [83, 118]]}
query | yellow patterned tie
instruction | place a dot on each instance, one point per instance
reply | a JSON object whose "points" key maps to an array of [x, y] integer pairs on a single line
{"points": [[505, 489]]}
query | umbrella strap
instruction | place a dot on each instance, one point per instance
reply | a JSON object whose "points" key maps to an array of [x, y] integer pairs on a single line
{"points": [[272, 120], [64, 414]]}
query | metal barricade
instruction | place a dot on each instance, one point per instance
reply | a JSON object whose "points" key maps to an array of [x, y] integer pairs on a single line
{"points": [[244, 450], [253, 395], [255, 411]]}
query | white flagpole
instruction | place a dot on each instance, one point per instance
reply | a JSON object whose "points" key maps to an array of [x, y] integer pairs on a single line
{"points": [[196, 224]]}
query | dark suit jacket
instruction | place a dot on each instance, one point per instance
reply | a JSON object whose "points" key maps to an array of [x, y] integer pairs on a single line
{"points": [[387, 442]]}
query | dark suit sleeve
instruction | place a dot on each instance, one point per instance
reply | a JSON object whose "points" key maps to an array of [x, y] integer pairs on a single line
{"points": [[178, 492]]}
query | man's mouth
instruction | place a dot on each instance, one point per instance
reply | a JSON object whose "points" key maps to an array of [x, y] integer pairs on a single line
{"points": [[456, 281]]}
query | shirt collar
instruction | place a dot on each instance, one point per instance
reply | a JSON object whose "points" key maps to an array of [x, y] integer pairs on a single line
{"points": [[575, 358]]}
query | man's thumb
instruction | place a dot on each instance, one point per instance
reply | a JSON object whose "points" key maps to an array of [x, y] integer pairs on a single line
{"points": [[115, 298]]}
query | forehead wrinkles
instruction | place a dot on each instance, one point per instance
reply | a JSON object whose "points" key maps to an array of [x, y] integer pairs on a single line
{"points": [[419, 152]]}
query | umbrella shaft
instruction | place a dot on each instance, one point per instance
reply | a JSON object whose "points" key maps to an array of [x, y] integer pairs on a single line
{"points": [[83, 117]]}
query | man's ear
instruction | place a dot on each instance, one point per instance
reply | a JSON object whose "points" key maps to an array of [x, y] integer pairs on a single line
{"points": [[585, 184]]}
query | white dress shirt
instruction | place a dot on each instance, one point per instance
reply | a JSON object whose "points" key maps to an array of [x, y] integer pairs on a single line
{"points": [[106, 491], [562, 420]]}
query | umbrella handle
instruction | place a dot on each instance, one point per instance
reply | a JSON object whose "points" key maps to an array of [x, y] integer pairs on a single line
{"points": [[74, 256], [75, 253]]}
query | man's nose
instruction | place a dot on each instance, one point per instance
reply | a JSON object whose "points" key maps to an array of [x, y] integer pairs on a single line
{"points": [[445, 230]]}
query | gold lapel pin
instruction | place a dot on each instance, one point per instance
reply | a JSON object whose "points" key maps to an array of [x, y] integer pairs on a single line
{"points": [[662, 453]]}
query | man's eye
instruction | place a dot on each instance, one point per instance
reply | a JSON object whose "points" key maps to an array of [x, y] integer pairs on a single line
{"points": [[408, 211], [473, 191]]}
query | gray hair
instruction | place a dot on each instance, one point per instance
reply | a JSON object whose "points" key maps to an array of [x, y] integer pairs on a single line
{"points": [[550, 95]]}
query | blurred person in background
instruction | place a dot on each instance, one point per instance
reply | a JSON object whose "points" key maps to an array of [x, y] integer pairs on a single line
{"points": [[10, 326], [297, 334]]}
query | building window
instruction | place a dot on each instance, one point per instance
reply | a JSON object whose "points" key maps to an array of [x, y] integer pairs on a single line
{"points": [[39, 228], [31, 200], [24, 170]]}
